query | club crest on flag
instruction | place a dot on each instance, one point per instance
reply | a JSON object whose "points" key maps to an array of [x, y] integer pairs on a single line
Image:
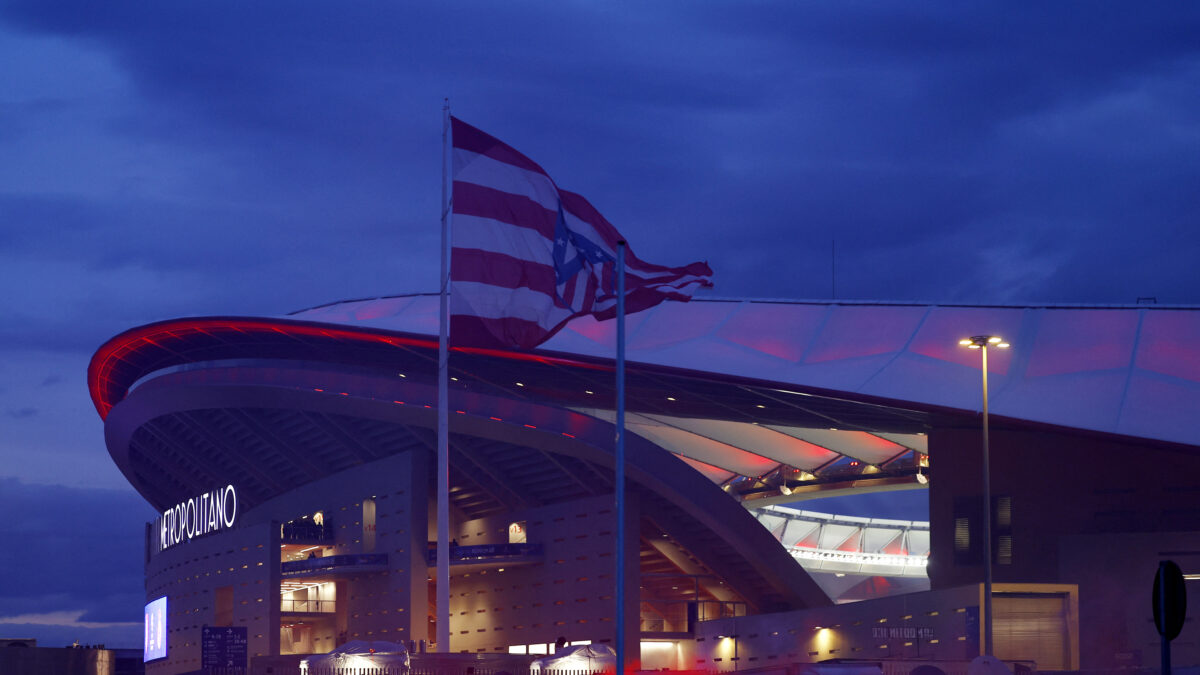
{"points": [[527, 257]]}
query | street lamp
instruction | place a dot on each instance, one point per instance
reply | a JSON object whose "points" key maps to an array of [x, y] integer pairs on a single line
{"points": [[982, 342]]}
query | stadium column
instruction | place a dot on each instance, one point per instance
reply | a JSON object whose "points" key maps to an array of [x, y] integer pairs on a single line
{"points": [[274, 578], [416, 505], [633, 580]]}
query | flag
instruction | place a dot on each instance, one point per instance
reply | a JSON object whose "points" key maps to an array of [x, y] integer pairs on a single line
{"points": [[527, 257]]}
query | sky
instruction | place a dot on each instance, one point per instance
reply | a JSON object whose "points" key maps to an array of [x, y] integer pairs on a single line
{"points": [[166, 159]]}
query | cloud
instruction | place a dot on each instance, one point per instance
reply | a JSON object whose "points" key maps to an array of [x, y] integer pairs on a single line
{"points": [[59, 527], [112, 636], [303, 146], [63, 443], [232, 158], [64, 618]]}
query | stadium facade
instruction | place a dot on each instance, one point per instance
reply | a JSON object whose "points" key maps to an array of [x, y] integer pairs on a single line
{"points": [[291, 458]]}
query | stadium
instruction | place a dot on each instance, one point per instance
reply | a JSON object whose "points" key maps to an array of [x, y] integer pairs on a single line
{"points": [[292, 459]]}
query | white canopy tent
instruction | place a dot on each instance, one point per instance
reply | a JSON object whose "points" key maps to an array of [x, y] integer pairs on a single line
{"points": [[381, 657], [577, 658]]}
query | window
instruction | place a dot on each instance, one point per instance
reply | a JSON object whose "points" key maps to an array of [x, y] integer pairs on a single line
{"points": [[368, 525], [967, 514], [223, 609], [968, 530], [1003, 528]]}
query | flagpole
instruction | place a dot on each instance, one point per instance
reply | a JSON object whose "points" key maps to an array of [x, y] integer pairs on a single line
{"points": [[619, 482], [443, 410]]}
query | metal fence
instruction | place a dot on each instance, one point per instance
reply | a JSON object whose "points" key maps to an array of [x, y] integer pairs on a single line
{"points": [[307, 606], [504, 671], [487, 552], [401, 670], [331, 562], [306, 531], [360, 670]]}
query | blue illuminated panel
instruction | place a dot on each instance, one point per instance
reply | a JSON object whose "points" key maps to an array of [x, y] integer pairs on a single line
{"points": [[156, 630]]}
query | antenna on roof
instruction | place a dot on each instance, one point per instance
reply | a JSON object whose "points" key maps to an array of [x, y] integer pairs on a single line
{"points": [[833, 269]]}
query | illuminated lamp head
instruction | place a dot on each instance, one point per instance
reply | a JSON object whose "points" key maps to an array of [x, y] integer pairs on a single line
{"points": [[980, 341]]}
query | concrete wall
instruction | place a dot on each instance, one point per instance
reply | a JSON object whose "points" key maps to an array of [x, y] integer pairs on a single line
{"points": [[569, 594], [1061, 485], [1090, 511], [939, 625], [243, 558], [1115, 575], [56, 661], [391, 604], [374, 605]]}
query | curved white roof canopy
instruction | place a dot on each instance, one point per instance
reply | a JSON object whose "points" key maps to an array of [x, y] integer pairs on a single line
{"points": [[723, 449], [848, 544], [1129, 370]]}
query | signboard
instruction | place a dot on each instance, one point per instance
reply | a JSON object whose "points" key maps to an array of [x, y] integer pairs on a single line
{"points": [[1168, 600], [902, 632], [155, 645], [972, 629], [208, 513], [223, 647]]}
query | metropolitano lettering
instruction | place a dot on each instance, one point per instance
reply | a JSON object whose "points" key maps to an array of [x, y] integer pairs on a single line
{"points": [[198, 516]]}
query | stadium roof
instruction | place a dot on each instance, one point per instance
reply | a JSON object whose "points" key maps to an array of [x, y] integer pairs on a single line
{"points": [[1127, 370], [763, 397], [753, 394]]}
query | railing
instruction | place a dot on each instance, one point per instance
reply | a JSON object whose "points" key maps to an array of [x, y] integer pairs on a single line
{"points": [[485, 552], [420, 670], [664, 616], [474, 670], [669, 615], [333, 563], [306, 606], [910, 562], [363, 670], [403, 670], [305, 531], [291, 666]]}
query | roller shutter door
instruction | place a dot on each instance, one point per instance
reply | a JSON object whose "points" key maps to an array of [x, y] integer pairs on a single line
{"points": [[1032, 628]]}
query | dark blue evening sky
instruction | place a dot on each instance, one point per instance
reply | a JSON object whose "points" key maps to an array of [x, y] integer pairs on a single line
{"points": [[165, 159]]}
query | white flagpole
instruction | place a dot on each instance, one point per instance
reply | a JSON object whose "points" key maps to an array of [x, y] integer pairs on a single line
{"points": [[443, 432], [619, 482]]}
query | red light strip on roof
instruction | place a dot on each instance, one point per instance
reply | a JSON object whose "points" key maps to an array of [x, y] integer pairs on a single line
{"points": [[102, 384], [107, 389], [460, 412], [536, 358]]}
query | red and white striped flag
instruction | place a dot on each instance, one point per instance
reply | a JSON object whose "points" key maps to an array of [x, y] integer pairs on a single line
{"points": [[527, 257]]}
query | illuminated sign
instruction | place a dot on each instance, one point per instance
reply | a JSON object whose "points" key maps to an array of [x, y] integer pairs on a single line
{"points": [[223, 647], [155, 646], [516, 533], [902, 632], [198, 516]]}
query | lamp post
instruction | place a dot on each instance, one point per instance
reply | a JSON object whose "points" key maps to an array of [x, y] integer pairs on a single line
{"points": [[982, 342]]}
